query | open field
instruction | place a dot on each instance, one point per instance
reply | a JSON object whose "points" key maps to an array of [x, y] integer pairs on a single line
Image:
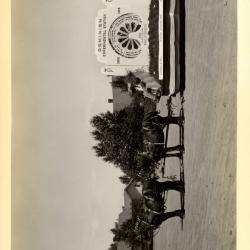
{"points": [[210, 132]]}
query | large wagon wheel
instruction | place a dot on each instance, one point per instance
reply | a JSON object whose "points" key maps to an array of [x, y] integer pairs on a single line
{"points": [[124, 35]]}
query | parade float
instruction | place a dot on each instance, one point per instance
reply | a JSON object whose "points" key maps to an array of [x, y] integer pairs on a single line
{"points": [[146, 37]]}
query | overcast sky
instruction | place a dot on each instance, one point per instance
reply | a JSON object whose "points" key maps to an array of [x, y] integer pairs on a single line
{"points": [[63, 197]]}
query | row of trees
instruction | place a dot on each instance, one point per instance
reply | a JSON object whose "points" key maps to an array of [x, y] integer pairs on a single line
{"points": [[119, 138]]}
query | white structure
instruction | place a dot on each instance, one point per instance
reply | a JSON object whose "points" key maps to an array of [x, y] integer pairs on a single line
{"points": [[122, 36], [122, 41]]}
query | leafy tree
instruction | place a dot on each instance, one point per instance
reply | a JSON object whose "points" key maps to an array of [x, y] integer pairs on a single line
{"points": [[133, 231], [119, 137], [120, 82], [125, 179], [137, 209], [113, 246]]}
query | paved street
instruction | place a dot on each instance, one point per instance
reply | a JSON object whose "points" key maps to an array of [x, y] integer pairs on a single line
{"points": [[210, 132]]}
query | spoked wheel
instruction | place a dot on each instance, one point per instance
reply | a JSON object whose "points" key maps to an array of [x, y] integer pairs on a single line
{"points": [[124, 35]]}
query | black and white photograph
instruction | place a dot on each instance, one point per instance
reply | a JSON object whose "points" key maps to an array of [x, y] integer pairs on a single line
{"points": [[124, 125]]}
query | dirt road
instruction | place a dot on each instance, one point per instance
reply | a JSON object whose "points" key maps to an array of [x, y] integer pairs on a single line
{"points": [[210, 132]]}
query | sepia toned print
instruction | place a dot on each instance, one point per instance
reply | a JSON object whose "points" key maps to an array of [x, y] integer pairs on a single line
{"points": [[124, 125], [156, 86]]}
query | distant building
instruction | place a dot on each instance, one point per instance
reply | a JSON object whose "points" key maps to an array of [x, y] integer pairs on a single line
{"points": [[131, 192], [120, 97]]}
